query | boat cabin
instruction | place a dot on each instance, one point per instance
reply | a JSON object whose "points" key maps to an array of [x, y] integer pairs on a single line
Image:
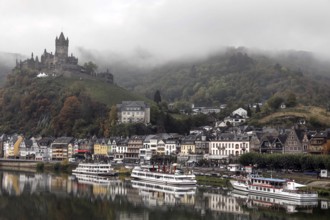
{"points": [[268, 182]]}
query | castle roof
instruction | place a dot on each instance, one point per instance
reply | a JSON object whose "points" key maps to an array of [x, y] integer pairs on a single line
{"points": [[61, 38]]}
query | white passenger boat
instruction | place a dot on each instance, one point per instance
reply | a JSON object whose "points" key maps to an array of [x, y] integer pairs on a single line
{"points": [[157, 187], [276, 188], [95, 169], [171, 178], [242, 183]]}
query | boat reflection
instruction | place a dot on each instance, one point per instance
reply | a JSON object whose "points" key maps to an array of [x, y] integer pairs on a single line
{"points": [[155, 194], [253, 201], [95, 180]]}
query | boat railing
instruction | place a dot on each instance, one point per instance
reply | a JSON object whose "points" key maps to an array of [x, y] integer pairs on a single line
{"points": [[299, 191]]}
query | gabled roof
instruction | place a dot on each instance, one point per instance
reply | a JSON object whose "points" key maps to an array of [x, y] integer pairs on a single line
{"points": [[300, 134], [320, 135], [122, 142], [132, 105], [28, 143], [225, 136], [268, 138], [63, 140], [282, 138], [46, 141], [259, 135], [138, 137], [188, 139]]}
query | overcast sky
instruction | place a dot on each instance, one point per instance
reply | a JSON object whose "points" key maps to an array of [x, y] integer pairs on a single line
{"points": [[166, 28]]}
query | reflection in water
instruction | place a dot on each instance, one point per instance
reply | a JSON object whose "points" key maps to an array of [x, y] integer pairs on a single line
{"points": [[46, 196], [155, 194], [223, 203], [290, 206]]}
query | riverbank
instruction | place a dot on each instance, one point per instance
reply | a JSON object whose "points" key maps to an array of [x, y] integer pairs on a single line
{"points": [[204, 176]]}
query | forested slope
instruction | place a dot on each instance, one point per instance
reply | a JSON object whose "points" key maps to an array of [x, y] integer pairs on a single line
{"points": [[238, 77]]}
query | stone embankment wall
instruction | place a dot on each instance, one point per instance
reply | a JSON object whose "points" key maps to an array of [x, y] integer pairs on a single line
{"points": [[18, 163]]}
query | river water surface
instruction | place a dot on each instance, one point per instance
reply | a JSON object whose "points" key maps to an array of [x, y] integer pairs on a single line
{"points": [[28, 195]]}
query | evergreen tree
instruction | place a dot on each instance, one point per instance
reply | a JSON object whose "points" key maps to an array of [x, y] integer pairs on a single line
{"points": [[291, 100], [257, 108], [275, 102], [90, 68], [249, 113], [157, 97]]}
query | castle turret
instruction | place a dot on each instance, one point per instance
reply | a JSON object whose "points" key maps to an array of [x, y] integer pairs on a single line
{"points": [[62, 48]]}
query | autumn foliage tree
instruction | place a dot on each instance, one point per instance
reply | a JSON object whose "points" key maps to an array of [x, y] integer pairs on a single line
{"points": [[111, 121], [68, 114]]}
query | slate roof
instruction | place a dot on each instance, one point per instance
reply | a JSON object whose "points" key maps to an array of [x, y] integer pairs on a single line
{"points": [[63, 140]]}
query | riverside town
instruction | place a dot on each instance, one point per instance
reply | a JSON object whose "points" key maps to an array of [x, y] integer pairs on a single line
{"points": [[75, 145]]}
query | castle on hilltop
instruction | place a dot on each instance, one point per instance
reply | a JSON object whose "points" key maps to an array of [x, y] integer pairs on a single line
{"points": [[60, 63]]}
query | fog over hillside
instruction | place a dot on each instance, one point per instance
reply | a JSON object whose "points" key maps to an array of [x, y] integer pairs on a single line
{"points": [[124, 66], [7, 63]]}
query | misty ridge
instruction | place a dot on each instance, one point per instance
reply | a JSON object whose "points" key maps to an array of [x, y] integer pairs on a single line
{"points": [[141, 61]]}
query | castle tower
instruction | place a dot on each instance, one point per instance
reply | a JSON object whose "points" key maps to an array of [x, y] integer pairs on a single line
{"points": [[61, 48]]}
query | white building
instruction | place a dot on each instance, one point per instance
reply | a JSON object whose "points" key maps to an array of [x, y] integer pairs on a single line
{"points": [[120, 149], [241, 112], [171, 146], [26, 149], [160, 147], [234, 120], [133, 112], [204, 110], [150, 142], [44, 151], [224, 147], [8, 148]]}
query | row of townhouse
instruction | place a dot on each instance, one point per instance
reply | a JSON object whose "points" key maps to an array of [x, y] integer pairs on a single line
{"points": [[292, 140], [206, 144]]}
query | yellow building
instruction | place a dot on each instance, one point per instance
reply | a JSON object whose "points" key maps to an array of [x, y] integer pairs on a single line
{"points": [[101, 149], [16, 146], [188, 145]]}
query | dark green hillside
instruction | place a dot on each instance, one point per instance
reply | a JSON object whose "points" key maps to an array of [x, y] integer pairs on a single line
{"points": [[100, 91], [57, 105], [238, 77]]}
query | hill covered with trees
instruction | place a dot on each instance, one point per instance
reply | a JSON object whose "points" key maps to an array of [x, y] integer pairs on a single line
{"points": [[238, 77], [58, 105]]}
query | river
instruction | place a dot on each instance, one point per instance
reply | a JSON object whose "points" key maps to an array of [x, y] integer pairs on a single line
{"points": [[28, 195]]}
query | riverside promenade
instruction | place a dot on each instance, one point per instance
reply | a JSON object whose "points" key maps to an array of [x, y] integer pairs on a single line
{"points": [[18, 163]]}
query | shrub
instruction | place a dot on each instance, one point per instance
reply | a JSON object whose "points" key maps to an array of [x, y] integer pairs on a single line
{"points": [[57, 166], [40, 166]]}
